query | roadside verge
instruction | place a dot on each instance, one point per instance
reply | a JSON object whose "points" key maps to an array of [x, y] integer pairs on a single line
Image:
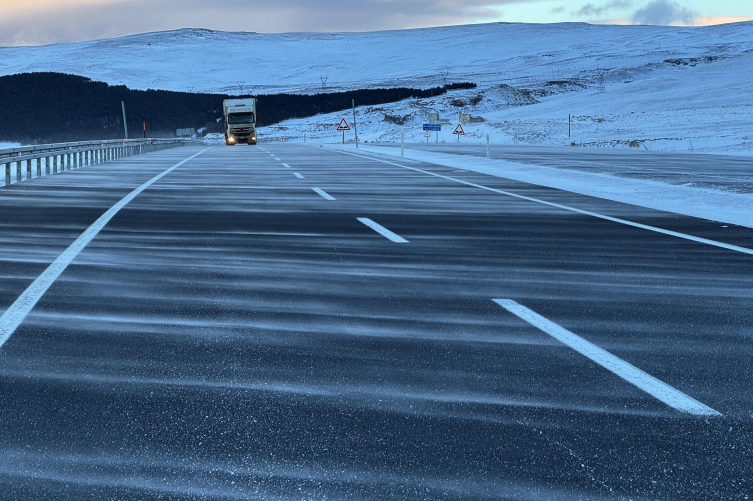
{"points": [[704, 203]]}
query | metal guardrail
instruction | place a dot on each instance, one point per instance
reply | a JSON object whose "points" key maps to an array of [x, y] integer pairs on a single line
{"points": [[48, 159]]}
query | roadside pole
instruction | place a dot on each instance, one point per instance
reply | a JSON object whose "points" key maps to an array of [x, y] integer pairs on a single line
{"points": [[487, 146], [125, 124], [355, 126], [568, 125]]}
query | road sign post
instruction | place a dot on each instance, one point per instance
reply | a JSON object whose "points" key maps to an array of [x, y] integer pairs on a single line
{"points": [[432, 127], [343, 127], [459, 131], [427, 135], [355, 125]]}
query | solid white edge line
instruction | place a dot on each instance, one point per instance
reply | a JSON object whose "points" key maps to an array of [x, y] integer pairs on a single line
{"points": [[706, 241], [383, 231], [17, 312], [286, 166], [323, 194], [646, 382], [298, 175]]}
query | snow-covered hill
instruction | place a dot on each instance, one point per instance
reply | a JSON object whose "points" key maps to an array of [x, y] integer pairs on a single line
{"points": [[651, 87]]}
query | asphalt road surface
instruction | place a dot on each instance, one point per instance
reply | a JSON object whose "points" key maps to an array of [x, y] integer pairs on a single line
{"points": [[720, 172], [289, 322]]}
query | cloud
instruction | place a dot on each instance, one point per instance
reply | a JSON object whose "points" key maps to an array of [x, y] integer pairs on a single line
{"points": [[591, 10], [75, 20], [557, 10], [664, 12]]}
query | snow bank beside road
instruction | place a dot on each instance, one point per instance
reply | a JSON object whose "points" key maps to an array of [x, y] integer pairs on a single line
{"points": [[709, 204]]}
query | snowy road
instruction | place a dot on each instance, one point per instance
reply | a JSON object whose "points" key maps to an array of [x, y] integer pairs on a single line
{"points": [[232, 332], [721, 172]]}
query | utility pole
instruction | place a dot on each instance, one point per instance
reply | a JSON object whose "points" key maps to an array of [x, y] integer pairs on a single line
{"points": [[125, 124], [143, 116], [355, 127]]}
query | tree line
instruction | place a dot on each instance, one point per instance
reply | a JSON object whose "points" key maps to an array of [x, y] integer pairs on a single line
{"points": [[37, 108]]}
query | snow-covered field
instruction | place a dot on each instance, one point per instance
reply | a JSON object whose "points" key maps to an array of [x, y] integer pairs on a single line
{"points": [[8, 145], [649, 87]]}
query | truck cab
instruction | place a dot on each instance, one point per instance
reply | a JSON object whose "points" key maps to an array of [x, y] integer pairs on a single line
{"points": [[240, 121]]}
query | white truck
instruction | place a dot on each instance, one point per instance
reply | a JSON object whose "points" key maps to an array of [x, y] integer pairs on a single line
{"points": [[240, 121]]}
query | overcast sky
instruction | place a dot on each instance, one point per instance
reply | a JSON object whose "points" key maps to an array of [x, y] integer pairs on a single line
{"points": [[35, 22]]}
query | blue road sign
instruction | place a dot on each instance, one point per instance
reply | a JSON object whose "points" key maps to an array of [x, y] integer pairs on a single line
{"points": [[434, 127]]}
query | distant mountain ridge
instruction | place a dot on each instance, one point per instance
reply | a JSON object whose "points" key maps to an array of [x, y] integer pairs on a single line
{"points": [[230, 62]]}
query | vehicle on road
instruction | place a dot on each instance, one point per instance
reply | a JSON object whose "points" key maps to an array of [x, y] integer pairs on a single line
{"points": [[240, 121]]}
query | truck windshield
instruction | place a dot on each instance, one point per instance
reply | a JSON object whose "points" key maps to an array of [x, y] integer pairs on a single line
{"points": [[241, 118]]}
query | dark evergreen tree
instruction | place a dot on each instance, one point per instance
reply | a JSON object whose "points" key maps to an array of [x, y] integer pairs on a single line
{"points": [[54, 107]]}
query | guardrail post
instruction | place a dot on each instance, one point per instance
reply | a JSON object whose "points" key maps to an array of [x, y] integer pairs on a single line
{"points": [[7, 174], [28, 170], [18, 171], [39, 167]]}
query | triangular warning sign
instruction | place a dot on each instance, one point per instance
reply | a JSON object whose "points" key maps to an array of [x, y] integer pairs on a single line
{"points": [[459, 130], [427, 134], [343, 125]]}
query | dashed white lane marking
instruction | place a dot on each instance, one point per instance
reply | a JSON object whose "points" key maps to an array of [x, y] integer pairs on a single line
{"points": [[383, 231], [279, 160], [677, 234], [324, 194], [15, 315], [646, 382], [286, 166], [298, 175]]}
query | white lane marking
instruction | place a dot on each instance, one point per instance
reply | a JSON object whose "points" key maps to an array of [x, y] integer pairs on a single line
{"points": [[383, 231], [646, 382], [677, 234], [324, 194], [15, 315], [298, 175], [279, 160], [286, 166]]}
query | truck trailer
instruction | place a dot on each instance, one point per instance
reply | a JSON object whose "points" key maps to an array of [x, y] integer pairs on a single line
{"points": [[240, 121]]}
